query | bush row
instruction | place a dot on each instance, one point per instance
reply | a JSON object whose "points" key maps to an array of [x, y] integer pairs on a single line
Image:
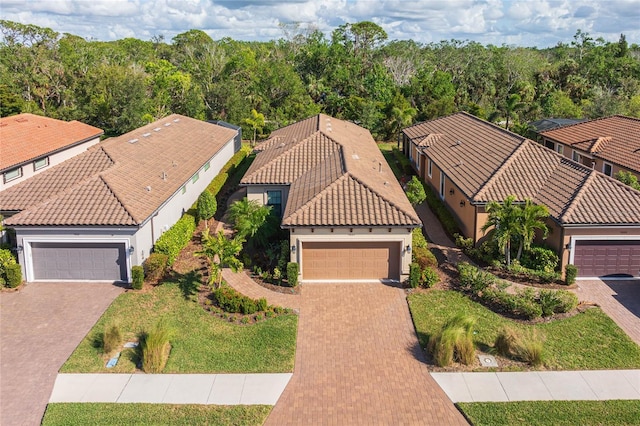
{"points": [[231, 301], [176, 237], [405, 163], [527, 303], [218, 182]]}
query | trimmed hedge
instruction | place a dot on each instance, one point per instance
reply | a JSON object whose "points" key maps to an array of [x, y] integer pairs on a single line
{"points": [[571, 272], [414, 275], [137, 277], [155, 266], [176, 238], [405, 163], [440, 209], [424, 258], [206, 206], [13, 275], [231, 301], [292, 273], [218, 182], [417, 238]]}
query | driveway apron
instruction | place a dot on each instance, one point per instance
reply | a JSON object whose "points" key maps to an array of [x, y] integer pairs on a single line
{"points": [[40, 326], [358, 361]]}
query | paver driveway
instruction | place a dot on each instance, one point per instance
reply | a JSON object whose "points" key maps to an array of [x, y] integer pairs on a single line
{"points": [[358, 362], [39, 327], [620, 299]]}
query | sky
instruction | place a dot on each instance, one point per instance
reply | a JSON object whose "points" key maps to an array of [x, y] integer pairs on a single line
{"points": [[539, 23]]}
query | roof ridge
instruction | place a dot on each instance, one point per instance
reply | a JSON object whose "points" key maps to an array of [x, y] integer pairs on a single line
{"points": [[594, 120], [117, 198], [579, 195], [500, 171], [601, 142]]}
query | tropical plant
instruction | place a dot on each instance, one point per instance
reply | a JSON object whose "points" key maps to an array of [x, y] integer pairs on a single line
{"points": [[256, 121], [531, 217], [503, 218], [248, 216], [224, 250]]}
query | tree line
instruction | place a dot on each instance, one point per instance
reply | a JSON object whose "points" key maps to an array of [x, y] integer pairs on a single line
{"points": [[355, 74]]}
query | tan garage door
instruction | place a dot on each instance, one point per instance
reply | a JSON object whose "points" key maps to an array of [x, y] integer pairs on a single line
{"points": [[350, 261], [600, 258]]}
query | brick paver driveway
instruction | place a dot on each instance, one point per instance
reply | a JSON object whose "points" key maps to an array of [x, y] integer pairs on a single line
{"points": [[39, 328], [358, 362], [620, 299]]}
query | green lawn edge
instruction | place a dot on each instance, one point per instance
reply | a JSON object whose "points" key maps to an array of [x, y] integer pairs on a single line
{"points": [[589, 340], [552, 413], [65, 414], [201, 342]]}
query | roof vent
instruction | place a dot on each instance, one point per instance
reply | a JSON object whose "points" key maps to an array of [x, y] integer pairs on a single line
{"points": [[148, 188], [355, 157], [458, 142], [133, 140], [175, 120], [164, 175], [379, 167], [174, 164], [157, 129], [167, 124], [146, 135], [460, 163]]}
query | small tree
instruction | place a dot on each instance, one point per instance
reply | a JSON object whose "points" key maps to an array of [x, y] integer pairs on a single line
{"points": [[248, 216], [222, 249], [415, 191], [531, 217], [256, 121], [206, 206], [503, 217]]}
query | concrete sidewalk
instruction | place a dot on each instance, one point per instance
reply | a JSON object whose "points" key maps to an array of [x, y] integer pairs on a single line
{"points": [[218, 389], [540, 385]]}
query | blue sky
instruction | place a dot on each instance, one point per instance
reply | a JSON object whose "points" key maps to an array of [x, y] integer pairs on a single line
{"points": [[540, 23]]}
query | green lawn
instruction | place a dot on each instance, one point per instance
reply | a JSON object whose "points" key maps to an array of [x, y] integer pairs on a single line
{"points": [[553, 413], [158, 414], [201, 343], [587, 341]]}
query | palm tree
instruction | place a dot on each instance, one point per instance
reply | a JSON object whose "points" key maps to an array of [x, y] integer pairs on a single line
{"points": [[504, 218], [224, 250], [532, 217], [248, 216], [256, 121]]}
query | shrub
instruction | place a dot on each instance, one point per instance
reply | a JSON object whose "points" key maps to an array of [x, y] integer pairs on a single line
{"points": [[405, 163], [532, 274], [217, 183], [206, 206], [429, 277], [474, 279], [7, 262], [176, 238], [277, 274], [137, 277], [292, 273], [13, 275], [424, 257], [549, 302], [248, 306], [415, 191], [417, 239], [568, 301], [453, 341], [570, 273], [526, 305], [261, 304], [414, 275], [155, 348], [540, 259], [111, 339], [284, 257], [466, 244], [231, 301], [154, 266]]}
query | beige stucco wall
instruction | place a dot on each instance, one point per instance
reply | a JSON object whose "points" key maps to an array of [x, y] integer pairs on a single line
{"points": [[401, 235]]}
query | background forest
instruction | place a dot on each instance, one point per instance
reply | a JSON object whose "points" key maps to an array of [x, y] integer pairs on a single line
{"points": [[357, 74]]}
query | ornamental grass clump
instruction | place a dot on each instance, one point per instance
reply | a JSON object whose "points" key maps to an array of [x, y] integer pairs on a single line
{"points": [[156, 348], [111, 339], [453, 342], [528, 347]]}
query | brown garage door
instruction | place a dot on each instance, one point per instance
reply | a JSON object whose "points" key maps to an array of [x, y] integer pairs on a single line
{"points": [[79, 261], [599, 258], [350, 261]]}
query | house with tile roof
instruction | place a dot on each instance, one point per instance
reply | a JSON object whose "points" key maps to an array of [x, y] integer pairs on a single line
{"points": [[594, 219], [608, 145], [347, 216], [99, 213], [31, 144]]}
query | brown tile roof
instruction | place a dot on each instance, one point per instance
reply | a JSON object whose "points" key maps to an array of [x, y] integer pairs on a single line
{"points": [[490, 163], [25, 137], [121, 181], [615, 139], [337, 174]]}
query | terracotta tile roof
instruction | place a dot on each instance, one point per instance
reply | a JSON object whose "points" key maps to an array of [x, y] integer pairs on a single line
{"points": [[337, 174], [25, 137], [130, 176], [491, 163], [615, 139]]}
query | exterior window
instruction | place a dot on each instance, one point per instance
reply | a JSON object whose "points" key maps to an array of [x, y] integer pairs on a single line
{"points": [[429, 167], [274, 199], [184, 189], [207, 165], [41, 163], [576, 156], [560, 148], [442, 178], [13, 174], [195, 178], [548, 144], [607, 169]]}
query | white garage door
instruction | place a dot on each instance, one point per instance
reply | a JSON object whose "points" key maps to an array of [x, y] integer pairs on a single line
{"points": [[79, 261]]}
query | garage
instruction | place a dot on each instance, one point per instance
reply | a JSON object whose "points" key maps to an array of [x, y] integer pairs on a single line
{"points": [[350, 260], [595, 258], [79, 261]]}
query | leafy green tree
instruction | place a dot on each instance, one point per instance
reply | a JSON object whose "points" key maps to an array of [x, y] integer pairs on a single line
{"points": [[206, 205], [628, 178], [222, 253], [415, 191], [248, 216], [503, 218]]}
